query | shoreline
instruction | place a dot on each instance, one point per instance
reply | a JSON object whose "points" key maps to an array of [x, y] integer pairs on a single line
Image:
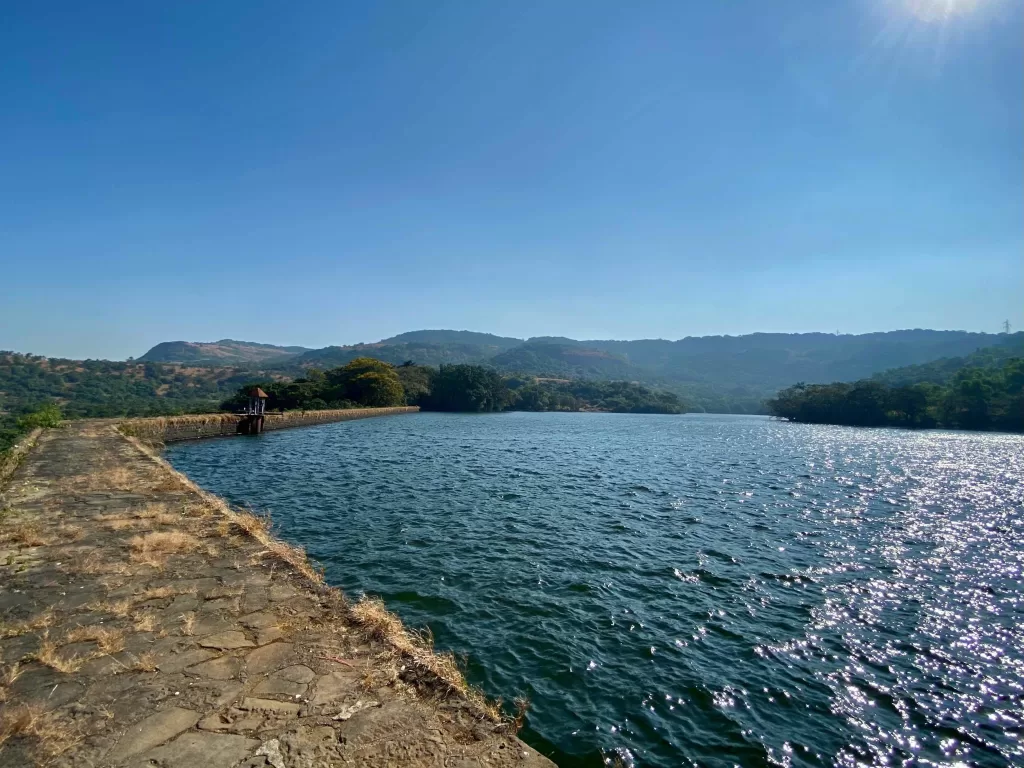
{"points": [[131, 592]]}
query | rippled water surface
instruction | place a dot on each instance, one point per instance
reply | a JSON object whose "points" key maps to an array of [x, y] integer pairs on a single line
{"points": [[681, 590]]}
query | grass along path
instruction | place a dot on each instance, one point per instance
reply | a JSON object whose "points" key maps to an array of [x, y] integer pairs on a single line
{"points": [[144, 623]]}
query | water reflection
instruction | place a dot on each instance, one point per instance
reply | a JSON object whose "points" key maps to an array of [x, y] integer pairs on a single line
{"points": [[694, 590]]}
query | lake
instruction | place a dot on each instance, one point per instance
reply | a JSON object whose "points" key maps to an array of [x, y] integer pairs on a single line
{"points": [[680, 590]]}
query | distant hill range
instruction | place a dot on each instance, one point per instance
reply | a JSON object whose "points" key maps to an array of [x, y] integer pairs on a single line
{"points": [[714, 373], [223, 352]]}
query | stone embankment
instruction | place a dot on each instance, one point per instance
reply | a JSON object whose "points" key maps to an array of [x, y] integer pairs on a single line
{"points": [[170, 429], [144, 623]]}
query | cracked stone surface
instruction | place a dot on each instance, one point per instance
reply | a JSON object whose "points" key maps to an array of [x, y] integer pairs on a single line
{"points": [[206, 655]]}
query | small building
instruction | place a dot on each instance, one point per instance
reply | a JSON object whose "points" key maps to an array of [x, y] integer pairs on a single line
{"points": [[257, 402], [252, 423]]}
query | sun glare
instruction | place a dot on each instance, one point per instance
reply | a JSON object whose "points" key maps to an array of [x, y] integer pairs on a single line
{"points": [[939, 10]]}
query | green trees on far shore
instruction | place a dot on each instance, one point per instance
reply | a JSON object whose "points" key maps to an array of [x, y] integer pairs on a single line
{"points": [[366, 382], [974, 398], [363, 382]]}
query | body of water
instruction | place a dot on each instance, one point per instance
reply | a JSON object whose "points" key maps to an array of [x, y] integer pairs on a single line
{"points": [[680, 590]]}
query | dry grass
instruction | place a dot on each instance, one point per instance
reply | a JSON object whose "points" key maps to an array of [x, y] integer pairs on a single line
{"points": [[24, 534], [7, 678], [144, 662], [30, 534], [119, 608], [51, 734], [93, 564], [380, 623], [107, 479], [156, 593], [11, 674], [154, 548], [371, 614], [49, 654], [188, 623], [108, 639], [43, 620], [156, 513], [124, 523], [147, 622]]}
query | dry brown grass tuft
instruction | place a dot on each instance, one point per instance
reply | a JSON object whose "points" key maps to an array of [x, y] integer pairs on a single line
{"points": [[43, 620], [124, 523], [68, 534], [119, 608], [107, 479], [109, 639], [380, 623], [144, 662], [49, 654], [51, 734], [7, 678], [10, 674], [24, 534], [154, 548], [147, 622], [156, 593], [93, 564], [158, 513]]}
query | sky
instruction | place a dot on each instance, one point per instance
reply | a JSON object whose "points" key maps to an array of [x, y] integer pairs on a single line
{"points": [[336, 172]]}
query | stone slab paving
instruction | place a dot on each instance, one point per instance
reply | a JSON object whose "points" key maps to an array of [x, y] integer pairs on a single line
{"points": [[138, 628]]}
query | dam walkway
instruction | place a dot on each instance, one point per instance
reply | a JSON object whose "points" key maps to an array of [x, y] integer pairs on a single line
{"points": [[142, 623]]}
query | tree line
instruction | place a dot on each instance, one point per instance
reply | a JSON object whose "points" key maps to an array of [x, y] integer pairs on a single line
{"points": [[366, 382], [975, 397]]}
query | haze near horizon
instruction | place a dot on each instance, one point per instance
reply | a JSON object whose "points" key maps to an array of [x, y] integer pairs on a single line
{"points": [[338, 173]]}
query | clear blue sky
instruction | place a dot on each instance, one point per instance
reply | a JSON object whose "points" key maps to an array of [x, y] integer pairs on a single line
{"points": [[332, 172]]}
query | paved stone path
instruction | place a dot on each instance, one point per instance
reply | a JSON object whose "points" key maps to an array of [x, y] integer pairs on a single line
{"points": [[139, 627]]}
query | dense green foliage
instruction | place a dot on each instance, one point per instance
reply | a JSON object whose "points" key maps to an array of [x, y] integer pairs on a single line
{"points": [[564, 361], [47, 415], [104, 388], [586, 395], [712, 373], [466, 388], [362, 383], [983, 398], [943, 370]]}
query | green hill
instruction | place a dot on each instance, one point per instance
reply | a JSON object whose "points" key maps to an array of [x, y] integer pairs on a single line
{"points": [[460, 338], [714, 373], [106, 388], [945, 369], [566, 361], [223, 352], [396, 354]]}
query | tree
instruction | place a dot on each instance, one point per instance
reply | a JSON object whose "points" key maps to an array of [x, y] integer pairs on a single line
{"points": [[468, 388], [376, 389]]}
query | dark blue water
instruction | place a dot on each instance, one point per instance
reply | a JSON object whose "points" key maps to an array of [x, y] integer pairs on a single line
{"points": [[681, 590]]}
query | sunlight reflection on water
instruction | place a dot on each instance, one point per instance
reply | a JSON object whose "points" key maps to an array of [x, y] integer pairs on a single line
{"points": [[701, 590]]}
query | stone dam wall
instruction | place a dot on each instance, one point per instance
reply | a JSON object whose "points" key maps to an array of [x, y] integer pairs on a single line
{"points": [[144, 622], [170, 429]]}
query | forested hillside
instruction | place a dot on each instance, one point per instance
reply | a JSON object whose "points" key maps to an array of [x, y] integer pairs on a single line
{"points": [[105, 388], [460, 387], [945, 369], [985, 395], [714, 373]]}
